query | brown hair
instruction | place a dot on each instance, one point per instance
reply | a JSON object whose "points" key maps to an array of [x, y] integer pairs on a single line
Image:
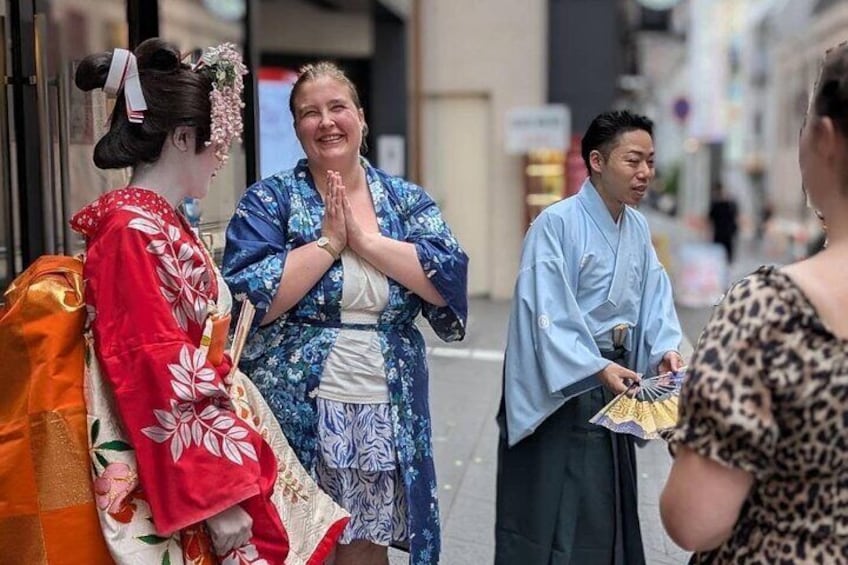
{"points": [[175, 96], [830, 97], [320, 69]]}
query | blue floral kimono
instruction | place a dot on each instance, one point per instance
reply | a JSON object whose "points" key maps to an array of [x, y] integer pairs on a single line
{"points": [[286, 357]]}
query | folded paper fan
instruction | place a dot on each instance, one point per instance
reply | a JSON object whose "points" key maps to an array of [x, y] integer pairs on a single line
{"points": [[647, 409]]}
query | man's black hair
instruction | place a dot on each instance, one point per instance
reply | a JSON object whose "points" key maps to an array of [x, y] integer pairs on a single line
{"points": [[605, 130]]}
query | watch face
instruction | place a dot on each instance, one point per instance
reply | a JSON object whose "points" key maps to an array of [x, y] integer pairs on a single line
{"points": [[658, 4], [323, 241]]}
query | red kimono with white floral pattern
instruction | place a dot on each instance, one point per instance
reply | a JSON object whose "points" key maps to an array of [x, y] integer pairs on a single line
{"points": [[149, 285]]}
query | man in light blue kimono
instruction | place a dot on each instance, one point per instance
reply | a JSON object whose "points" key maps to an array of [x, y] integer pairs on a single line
{"points": [[592, 311]]}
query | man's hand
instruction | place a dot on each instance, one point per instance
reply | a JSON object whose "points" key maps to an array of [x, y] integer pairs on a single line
{"points": [[671, 362], [616, 378]]}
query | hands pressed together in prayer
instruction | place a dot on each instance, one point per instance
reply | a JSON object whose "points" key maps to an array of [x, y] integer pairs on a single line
{"points": [[340, 226], [333, 226], [351, 221]]}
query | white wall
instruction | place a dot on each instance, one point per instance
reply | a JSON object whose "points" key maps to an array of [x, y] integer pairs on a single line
{"points": [[456, 168], [496, 49]]}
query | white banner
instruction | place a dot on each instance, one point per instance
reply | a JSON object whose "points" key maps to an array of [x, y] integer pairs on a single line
{"points": [[539, 127]]}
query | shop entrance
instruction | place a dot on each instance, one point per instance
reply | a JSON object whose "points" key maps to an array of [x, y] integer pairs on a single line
{"points": [[48, 127]]}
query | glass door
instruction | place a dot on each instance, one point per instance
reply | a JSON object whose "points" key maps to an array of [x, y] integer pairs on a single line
{"points": [[48, 128], [7, 205], [193, 25], [75, 120]]}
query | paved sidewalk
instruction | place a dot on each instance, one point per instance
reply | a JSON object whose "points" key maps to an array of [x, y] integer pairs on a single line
{"points": [[465, 388]]}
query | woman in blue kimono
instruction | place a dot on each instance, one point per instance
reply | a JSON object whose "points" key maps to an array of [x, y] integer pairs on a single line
{"points": [[339, 258]]}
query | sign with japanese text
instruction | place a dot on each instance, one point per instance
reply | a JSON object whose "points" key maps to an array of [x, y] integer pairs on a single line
{"points": [[539, 127]]}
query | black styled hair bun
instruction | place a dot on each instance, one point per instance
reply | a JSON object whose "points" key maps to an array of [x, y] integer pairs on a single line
{"points": [[152, 54], [158, 55], [92, 71], [175, 96]]}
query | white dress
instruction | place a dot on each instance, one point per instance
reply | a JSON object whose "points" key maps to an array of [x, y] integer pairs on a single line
{"points": [[354, 371], [357, 463]]}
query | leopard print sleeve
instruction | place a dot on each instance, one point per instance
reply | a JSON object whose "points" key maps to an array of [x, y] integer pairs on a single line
{"points": [[726, 405]]}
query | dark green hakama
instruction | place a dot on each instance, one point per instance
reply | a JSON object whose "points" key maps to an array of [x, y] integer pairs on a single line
{"points": [[566, 495]]}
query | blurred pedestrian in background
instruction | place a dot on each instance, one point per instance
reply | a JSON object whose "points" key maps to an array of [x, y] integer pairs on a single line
{"points": [[766, 214], [724, 217]]}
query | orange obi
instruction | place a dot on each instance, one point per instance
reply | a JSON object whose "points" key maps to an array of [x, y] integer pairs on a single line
{"points": [[47, 507]]}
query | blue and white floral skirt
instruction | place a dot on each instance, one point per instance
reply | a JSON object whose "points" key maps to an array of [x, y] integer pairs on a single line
{"points": [[357, 467]]}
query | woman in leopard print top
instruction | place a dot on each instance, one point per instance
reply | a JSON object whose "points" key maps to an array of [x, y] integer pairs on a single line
{"points": [[761, 472]]}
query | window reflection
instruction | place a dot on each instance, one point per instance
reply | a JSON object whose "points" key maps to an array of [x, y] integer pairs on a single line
{"points": [[6, 207], [71, 122], [190, 24], [78, 119]]}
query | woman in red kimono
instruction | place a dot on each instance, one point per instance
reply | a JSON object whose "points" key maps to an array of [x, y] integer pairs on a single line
{"points": [[150, 290]]}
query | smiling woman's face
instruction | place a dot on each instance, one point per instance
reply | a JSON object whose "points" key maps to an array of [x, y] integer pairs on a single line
{"points": [[327, 122]]}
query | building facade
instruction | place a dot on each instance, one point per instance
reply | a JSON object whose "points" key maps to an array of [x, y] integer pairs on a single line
{"points": [[476, 63], [437, 79], [48, 127]]}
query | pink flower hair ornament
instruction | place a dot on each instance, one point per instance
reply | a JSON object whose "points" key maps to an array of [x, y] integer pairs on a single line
{"points": [[224, 67]]}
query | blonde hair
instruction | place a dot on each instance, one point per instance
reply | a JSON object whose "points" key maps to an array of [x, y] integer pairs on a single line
{"points": [[314, 71]]}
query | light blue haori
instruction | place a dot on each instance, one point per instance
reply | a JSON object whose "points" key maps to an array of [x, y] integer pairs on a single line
{"points": [[581, 275]]}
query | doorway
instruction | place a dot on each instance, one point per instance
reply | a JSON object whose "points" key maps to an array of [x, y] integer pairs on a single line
{"points": [[48, 127], [456, 132]]}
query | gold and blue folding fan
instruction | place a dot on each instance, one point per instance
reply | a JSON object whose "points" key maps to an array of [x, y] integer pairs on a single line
{"points": [[646, 409]]}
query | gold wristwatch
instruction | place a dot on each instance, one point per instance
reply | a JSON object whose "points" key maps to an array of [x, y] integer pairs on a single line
{"points": [[324, 243]]}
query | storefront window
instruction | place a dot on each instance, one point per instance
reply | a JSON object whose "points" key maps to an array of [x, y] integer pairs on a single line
{"points": [[279, 148], [7, 255], [48, 133], [544, 181], [79, 119], [193, 24]]}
